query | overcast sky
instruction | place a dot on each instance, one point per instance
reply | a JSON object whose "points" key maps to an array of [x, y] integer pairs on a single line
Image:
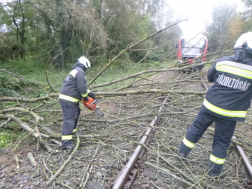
{"points": [[198, 12], [4, 1]]}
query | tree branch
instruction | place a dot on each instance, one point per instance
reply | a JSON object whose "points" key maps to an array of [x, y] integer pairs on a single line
{"points": [[29, 100], [129, 47], [37, 117]]}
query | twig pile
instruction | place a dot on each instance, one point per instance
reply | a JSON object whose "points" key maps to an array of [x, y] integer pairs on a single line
{"points": [[108, 142]]}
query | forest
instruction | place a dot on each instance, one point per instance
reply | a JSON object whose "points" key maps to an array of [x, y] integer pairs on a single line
{"points": [[132, 46]]}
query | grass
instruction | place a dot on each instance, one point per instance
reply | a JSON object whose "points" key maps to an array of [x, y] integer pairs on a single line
{"points": [[29, 70], [9, 136]]}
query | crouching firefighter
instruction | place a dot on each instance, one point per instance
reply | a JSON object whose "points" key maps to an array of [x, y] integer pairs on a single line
{"points": [[73, 90], [226, 103]]}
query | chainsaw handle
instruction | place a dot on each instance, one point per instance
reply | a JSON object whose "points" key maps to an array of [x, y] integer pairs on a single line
{"points": [[95, 102]]}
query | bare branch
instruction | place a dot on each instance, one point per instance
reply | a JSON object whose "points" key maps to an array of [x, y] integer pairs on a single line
{"points": [[129, 47], [29, 100], [136, 92], [65, 163], [37, 117]]}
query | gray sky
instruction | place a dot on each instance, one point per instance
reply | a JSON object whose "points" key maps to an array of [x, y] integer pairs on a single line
{"points": [[198, 12], [4, 1]]}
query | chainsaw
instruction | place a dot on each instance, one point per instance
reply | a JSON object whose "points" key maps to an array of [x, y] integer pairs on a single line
{"points": [[91, 105]]}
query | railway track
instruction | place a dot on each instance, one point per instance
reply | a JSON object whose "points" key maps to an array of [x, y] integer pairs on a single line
{"points": [[126, 176], [111, 152]]}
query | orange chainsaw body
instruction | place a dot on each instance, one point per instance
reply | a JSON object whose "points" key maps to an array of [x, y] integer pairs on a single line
{"points": [[90, 104]]}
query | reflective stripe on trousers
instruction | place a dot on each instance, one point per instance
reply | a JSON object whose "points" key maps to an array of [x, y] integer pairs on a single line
{"points": [[224, 130], [216, 160], [188, 143], [66, 137]]}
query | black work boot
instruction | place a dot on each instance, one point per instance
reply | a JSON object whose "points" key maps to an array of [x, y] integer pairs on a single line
{"points": [[66, 144], [184, 150], [67, 147], [181, 154], [214, 170]]}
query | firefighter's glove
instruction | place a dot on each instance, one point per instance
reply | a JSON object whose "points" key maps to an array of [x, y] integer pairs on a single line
{"points": [[92, 95], [85, 99]]}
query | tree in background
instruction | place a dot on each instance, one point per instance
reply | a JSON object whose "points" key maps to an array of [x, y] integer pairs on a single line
{"points": [[54, 28], [56, 31], [228, 25], [247, 15], [236, 27], [217, 32], [70, 27]]}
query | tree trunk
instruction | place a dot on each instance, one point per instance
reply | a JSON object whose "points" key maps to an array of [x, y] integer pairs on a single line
{"points": [[14, 20], [66, 37], [63, 33], [22, 32]]}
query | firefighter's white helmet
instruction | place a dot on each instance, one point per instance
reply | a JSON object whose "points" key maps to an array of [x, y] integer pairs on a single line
{"points": [[245, 40], [83, 60]]}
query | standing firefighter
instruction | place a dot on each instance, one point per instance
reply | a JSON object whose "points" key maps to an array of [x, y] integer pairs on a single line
{"points": [[226, 103], [73, 90]]}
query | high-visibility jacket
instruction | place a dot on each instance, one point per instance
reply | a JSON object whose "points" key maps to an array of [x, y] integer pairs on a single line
{"points": [[230, 96], [75, 85]]}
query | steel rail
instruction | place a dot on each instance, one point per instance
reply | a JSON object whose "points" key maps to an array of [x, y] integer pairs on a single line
{"points": [[204, 84], [244, 158], [123, 176]]}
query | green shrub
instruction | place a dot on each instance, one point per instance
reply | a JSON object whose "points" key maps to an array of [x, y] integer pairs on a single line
{"points": [[9, 86], [156, 56], [9, 137], [8, 92], [9, 48], [5, 139]]}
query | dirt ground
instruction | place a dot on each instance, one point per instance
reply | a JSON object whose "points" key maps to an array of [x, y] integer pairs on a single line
{"points": [[107, 143]]}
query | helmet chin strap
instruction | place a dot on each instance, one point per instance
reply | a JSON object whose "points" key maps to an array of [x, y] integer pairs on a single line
{"points": [[84, 68], [245, 44]]}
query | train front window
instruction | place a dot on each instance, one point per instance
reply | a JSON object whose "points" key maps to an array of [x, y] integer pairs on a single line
{"points": [[193, 49]]}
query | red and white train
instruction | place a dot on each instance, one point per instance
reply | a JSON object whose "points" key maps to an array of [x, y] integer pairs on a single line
{"points": [[192, 50]]}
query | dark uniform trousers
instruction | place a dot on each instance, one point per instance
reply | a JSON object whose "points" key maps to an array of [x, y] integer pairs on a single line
{"points": [[224, 130], [71, 112]]}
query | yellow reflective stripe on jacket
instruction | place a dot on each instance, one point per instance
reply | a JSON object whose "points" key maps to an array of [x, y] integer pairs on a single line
{"points": [[224, 112], [66, 137], [217, 160], [235, 71], [68, 98], [75, 130], [235, 64], [188, 143], [73, 73], [85, 95]]}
